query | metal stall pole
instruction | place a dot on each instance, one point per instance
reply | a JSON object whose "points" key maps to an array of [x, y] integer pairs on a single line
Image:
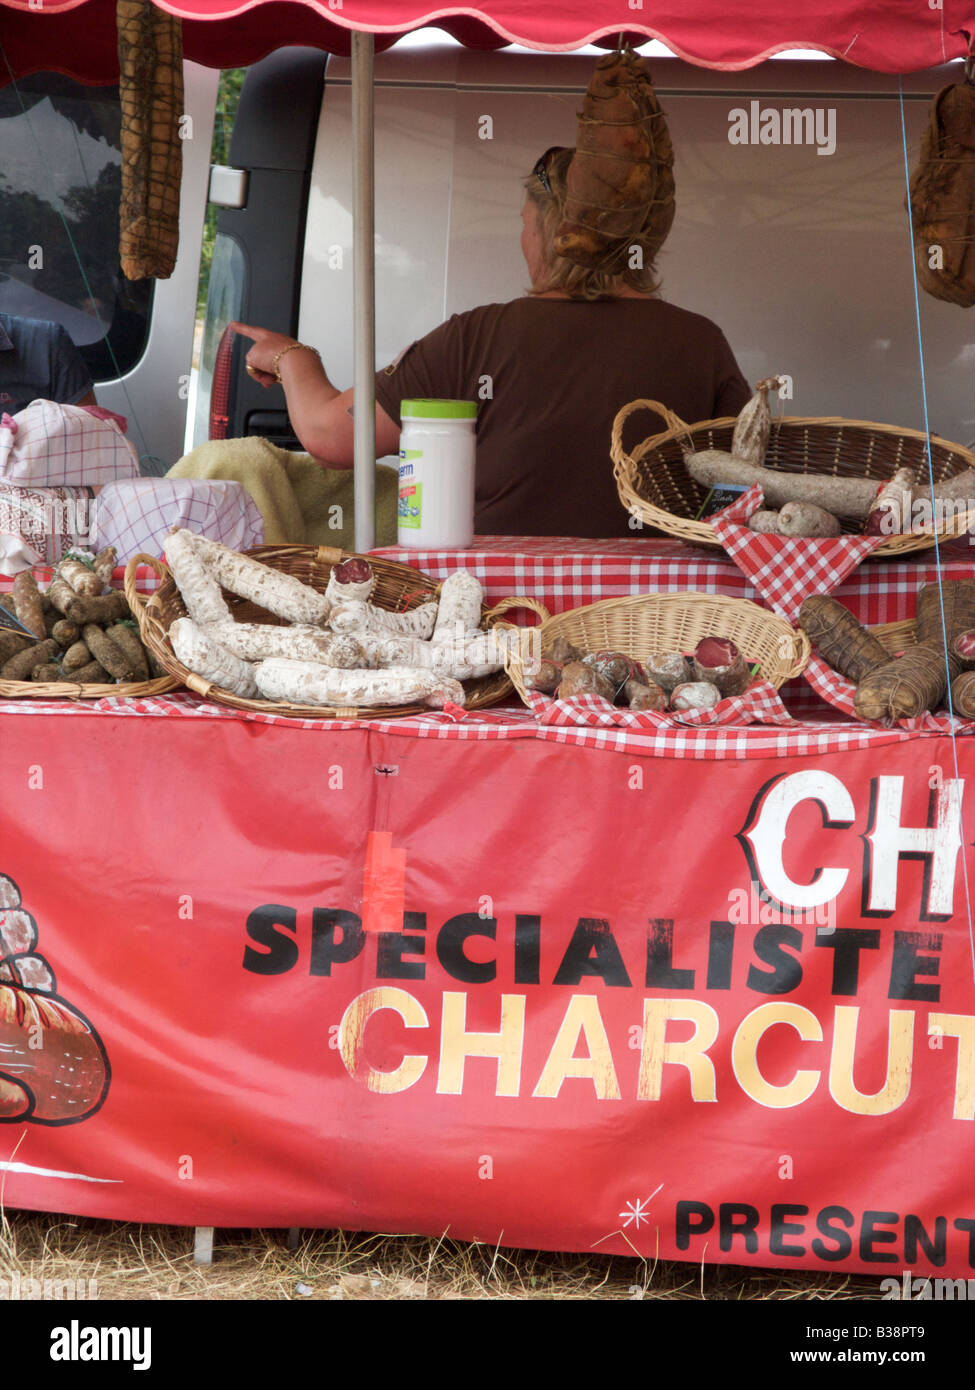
{"points": [[364, 291]]}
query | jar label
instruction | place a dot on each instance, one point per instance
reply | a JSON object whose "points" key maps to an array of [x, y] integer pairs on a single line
{"points": [[411, 505]]}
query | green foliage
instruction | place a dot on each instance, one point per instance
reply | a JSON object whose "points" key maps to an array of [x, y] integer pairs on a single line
{"points": [[228, 96]]}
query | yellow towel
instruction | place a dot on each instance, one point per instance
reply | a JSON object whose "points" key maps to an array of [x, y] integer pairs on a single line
{"points": [[302, 502]]}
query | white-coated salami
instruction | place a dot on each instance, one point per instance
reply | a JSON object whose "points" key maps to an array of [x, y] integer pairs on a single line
{"points": [[204, 655], [463, 660], [459, 611], [258, 641], [198, 587], [308, 683], [352, 579], [695, 695], [281, 594], [355, 617]]}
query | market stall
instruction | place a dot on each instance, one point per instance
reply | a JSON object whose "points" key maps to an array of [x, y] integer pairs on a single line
{"points": [[691, 985]]}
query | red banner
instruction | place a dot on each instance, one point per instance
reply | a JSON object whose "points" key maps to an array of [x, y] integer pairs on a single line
{"points": [[536, 995]]}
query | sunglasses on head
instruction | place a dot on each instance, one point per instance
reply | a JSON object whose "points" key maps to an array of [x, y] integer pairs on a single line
{"points": [[540, 170]]}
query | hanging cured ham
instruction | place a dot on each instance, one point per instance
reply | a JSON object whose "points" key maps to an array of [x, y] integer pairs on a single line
{"points": [[621, 178], [943, 197]]}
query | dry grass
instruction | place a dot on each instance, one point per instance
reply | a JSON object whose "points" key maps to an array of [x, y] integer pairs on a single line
{"points": [[126, 1261]]}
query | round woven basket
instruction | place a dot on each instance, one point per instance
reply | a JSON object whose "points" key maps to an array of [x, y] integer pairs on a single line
{"points": [[398, 588], [647, 624], [655, 486], [68, 690]]}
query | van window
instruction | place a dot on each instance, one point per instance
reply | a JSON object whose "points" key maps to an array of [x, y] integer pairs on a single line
{"points": [[59, 198]]}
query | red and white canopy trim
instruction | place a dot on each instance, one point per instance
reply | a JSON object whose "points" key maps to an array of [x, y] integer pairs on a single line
{"points": [[77, 37]]}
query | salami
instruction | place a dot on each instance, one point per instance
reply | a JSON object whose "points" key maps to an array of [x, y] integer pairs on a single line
{"points": [[281, 594], [459, 611], [579, 679], [695, 695], [27, 599], [463, 660], [717, 660], [352, 579], [199, 589], [355, 616], [258, 641], [668, 669], [642, 696], [81, 575], [207, 658], [309, 683]]}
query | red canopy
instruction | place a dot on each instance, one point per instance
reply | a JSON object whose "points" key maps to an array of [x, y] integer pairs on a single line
{"points": [[78, 36]]}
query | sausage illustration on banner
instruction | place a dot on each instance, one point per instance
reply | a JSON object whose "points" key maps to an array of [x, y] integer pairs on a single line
{"points": [[53, 1065]]}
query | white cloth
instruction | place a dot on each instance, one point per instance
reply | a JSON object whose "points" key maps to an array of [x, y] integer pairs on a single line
{"points": [[50, 445], [137, 515]]}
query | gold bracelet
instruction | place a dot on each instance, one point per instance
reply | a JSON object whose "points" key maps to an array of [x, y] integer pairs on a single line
{"points": [[290, 348]]}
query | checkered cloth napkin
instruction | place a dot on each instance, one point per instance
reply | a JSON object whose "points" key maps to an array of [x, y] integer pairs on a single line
{"points": [[786, 569], [760, 704], [137, 514], [50, 445]]}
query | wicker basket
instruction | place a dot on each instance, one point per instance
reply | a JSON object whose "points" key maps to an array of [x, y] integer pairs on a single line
{"points": [[66, 690], [895, 637], [655, 486], [643, 625], [398, 588]]}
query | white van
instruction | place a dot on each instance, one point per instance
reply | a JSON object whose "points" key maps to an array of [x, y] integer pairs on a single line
{"points": [[790, 230]]}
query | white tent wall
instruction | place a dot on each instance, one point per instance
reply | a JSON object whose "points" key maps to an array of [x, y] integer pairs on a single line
{"points": [[804, 259]]}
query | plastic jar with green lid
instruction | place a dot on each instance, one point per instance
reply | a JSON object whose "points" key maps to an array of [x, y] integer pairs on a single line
{"points": [[437, 451]]}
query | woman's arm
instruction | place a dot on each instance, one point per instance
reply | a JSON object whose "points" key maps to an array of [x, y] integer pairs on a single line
{"points": [[320, 412]]}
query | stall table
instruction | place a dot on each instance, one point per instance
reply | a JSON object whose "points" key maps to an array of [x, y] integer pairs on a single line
{"points": [[692, 993]]}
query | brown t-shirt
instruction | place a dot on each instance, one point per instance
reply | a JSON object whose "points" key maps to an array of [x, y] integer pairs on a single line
{"points": [[549, 376]]}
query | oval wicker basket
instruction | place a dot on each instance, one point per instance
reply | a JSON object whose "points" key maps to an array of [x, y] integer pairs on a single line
{"points": [[398, 587], [645, 624], [67, 690], [895, 637], [655, 486]]}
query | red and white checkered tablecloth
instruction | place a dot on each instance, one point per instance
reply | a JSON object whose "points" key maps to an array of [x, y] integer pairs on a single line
{"points": [[669, 740], [146, 579], [566, 572], [577, 574]]}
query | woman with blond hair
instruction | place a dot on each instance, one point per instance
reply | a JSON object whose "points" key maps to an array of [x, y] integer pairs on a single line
{"points": [[558, 363]]}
